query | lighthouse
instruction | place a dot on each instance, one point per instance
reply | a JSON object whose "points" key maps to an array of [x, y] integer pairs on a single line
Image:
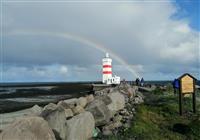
{"points": [[107, 77]]}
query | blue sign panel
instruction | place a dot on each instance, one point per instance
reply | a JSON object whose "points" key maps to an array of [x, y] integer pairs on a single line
{"points": [[176, 83]]}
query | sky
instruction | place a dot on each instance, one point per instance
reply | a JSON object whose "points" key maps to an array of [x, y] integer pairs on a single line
{"points": [[188, 9], [63, 41]]}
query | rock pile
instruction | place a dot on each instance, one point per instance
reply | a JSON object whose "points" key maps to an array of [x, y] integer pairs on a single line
{"points": [[122, 116], [105, 112]]}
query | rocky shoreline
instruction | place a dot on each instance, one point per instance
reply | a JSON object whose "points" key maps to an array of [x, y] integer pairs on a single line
{"points": [[105, 112]]}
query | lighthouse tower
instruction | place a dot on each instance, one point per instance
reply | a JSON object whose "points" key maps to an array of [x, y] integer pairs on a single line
{"points": [[107, 69], [107, 77]]}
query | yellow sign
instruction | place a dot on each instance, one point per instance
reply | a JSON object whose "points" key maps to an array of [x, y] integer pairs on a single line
{"points": [[187, 84]]}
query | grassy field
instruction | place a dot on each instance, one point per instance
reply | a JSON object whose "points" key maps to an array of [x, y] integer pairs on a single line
{"points": [[158, 119]]}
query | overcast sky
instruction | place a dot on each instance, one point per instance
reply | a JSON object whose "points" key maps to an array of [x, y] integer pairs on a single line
{"points": [[65, 41]]}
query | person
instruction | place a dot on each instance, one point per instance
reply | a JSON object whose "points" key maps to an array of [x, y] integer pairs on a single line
{"points": [[142, 82], [137, 81]]}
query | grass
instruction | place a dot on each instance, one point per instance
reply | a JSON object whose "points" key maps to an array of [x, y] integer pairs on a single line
{"points": [[158, 119]]}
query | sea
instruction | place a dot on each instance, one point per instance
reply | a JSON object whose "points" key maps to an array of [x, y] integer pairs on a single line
{"points": [[18, 96]]}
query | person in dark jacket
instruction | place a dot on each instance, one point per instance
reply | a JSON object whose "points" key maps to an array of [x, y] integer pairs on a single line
{"points": [[137, 81]]}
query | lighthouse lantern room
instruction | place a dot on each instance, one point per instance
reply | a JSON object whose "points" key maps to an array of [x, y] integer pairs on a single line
{"points": [[107, 72]]}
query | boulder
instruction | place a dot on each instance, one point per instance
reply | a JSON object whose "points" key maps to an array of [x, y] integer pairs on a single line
{"points": [[82, 101], [90, 98], [71, 102], [33, 111], [78, 109], [100, 112], [131, 92], [68, 113], [28, 128], [127, 90], [56, 118], [48, 109], [63, 104], [118, 102], [106, 99], [80, 127]]}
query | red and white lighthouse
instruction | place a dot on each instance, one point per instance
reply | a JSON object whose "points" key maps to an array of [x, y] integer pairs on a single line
{"points": [[107, 68], [107, 71]]}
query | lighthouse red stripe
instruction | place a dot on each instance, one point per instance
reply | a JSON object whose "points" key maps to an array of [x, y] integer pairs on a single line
{"points": [[107, 66], [107, 72]]}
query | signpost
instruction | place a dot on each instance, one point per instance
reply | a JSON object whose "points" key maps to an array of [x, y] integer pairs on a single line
{"points": [[187, 86]]}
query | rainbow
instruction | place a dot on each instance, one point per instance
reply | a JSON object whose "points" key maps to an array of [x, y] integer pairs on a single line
{"points": [[80, 39]]}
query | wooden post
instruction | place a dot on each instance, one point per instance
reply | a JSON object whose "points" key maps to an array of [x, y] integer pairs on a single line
{"points": [[194, 99], [180, 102], [194, 102]]}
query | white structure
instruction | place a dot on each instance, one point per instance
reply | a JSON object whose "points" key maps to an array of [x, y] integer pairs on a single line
{"points": [[107, 72]]}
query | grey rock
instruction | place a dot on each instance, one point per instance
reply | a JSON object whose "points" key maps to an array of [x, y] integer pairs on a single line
{"points": [[77, 109], [33, 111], [56, 119], [82, 101], [48, 109], [106, 99], [127, 90], [28, 128], [80, 127], [118, 102], [68, 113], [63, 104], [90, 98], [131, 92], [100, 112], [71, 102]]}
